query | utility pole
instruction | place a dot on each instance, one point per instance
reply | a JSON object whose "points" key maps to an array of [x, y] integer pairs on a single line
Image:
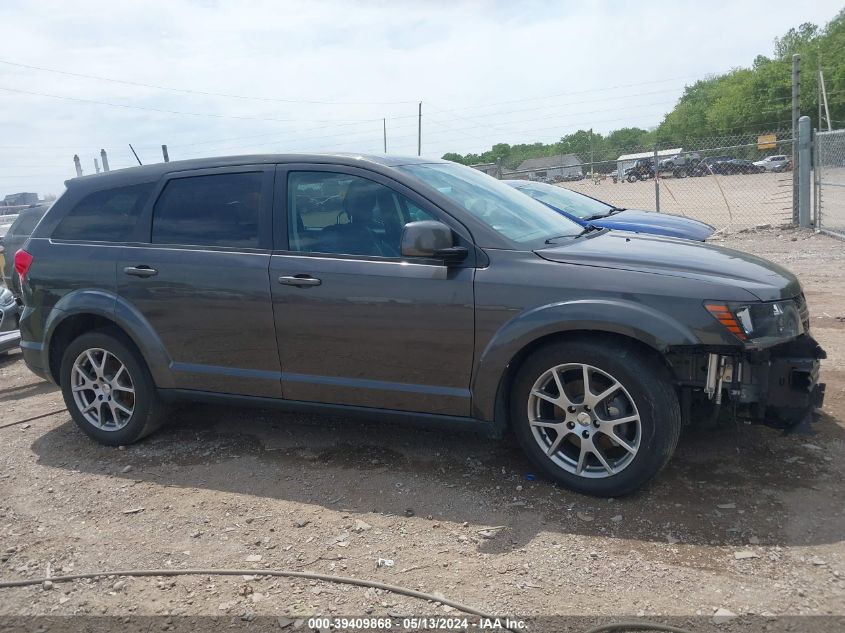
{"points": [[592, 167], [384, 123], [165, 154], [105, 158], [823, 90], [78, 165], [796, 96], [419, 131]]}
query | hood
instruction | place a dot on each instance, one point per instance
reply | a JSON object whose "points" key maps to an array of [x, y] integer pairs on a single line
{"points": [[658, 223], [678, 258]]}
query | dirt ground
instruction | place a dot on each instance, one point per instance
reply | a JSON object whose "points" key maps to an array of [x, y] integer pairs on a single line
{"points": [[747, 520], [727, 202]]}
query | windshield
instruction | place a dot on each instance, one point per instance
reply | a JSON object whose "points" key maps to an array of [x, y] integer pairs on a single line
{"points": [[505, 210], [576, 204]]}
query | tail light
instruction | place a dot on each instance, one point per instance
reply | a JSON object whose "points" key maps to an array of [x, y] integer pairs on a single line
{"points": [[23, 261]]}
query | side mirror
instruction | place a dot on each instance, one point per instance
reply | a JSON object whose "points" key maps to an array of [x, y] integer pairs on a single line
{"points": [[431, 239]]}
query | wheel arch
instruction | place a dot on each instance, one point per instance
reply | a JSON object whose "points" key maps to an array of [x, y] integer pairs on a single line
{"points": [[632, 325], [87, 311]]}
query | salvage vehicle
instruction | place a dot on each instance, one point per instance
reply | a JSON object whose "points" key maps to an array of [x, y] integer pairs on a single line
{"points": [[15, 236], [586, 211], [436, 293], [9, 312]]}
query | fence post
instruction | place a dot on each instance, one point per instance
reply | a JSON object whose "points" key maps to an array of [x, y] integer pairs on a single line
{"points": [[804, 143], [656, 183], [816, 181], [77, 164], [796, 105], [105, 160]]}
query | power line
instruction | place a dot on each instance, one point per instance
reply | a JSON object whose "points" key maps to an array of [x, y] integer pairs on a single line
{"points": [[198, 92], [180, 112]]}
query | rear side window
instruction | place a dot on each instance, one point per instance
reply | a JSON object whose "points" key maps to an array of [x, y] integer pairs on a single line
{"points": [[26, 222], [216, 210], [105, 216]]}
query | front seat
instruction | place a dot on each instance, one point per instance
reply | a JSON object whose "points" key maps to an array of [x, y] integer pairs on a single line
{"points": [[357, 237]]}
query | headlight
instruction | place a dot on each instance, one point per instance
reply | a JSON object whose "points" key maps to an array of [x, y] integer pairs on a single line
{"points": [[759, 322]]}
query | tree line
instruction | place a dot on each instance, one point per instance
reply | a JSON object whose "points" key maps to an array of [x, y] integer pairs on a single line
{"points": [[749, 101]]}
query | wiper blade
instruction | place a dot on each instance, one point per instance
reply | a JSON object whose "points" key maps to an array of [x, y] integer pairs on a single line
{"points": [[616, 210], [589, 228], [551, 240]]}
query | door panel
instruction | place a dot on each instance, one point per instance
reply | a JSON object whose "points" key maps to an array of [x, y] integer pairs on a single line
{"points": [[212, 311], [388, 335]]}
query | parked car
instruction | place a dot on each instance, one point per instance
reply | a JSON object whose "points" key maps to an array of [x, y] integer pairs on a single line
{"points": [[711, 165], [740, 166], [588, 211], [15, 236], [777, 163], [643, 169], [10, 336], [439, 293]]}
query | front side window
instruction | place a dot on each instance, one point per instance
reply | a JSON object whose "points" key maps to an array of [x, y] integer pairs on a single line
{"points": [[345, 214], [105, 216], [217, 210], [512, 214]]}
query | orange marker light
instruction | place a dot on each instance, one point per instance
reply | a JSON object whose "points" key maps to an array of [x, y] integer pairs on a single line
{"points": [[724, 316]]}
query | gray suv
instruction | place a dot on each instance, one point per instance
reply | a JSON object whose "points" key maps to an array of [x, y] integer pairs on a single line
{"points": [[403, 288]]}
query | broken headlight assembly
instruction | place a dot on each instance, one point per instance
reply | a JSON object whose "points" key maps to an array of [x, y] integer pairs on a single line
{"points": [[759, 324]]}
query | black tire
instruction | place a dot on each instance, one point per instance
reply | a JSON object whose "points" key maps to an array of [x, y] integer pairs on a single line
{"points": [[648, 385], [148, 412]]}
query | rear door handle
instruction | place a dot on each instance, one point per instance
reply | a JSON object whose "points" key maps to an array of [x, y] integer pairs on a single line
{"points": [[140, 271], [300, 281]]}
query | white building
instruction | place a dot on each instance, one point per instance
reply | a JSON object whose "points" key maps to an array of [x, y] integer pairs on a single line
{"points": [[629, 160]]}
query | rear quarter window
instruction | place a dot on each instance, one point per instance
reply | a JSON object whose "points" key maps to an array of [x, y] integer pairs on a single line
{"points": [[104, 216]]}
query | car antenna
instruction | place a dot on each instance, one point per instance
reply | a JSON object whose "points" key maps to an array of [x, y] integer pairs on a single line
{"points": [[136, 154]]}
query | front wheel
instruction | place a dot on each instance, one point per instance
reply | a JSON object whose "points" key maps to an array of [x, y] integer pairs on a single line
{"points": [[108, 389], [600, 419]]}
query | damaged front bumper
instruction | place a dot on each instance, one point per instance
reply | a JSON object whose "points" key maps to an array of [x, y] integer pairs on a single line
{"points": [[778, 386]]}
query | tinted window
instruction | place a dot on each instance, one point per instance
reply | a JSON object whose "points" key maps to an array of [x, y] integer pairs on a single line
{"points": [[26, 221], [217, 210], [345, 214], [105, 216]]}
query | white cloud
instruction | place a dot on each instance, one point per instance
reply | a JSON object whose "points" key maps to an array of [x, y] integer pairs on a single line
{"points": [[466, 58]]}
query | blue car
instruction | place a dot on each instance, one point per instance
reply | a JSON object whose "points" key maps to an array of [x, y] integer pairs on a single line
{"points": [[588, 211]]}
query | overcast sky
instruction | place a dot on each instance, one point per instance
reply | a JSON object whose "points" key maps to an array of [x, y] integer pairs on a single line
{"points": [[321, 76]]}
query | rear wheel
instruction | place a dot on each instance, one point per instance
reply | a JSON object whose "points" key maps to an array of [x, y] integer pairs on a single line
{"points": [[108, 389], [597, 418]]}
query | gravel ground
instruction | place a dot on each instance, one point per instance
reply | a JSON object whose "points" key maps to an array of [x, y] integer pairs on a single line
{"points": [[745, 520]]}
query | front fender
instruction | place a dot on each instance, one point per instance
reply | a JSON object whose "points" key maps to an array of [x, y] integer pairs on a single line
{"points": [[112, 307], [633, 320]]}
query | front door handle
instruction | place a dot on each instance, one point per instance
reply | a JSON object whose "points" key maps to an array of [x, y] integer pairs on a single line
{"points": [[140, 271], [300, 281]]}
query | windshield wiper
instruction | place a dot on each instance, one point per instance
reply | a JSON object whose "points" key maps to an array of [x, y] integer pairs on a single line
{"points": [[589, 228], [609, 212], [551, 240]]}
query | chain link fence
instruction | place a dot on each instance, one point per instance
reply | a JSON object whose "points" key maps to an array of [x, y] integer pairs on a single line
{"points": [[731, 182], [830, 182]]}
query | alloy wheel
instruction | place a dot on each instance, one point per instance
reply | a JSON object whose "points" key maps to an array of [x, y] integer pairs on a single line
{"points": [[102, 389], [584, 420]]}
